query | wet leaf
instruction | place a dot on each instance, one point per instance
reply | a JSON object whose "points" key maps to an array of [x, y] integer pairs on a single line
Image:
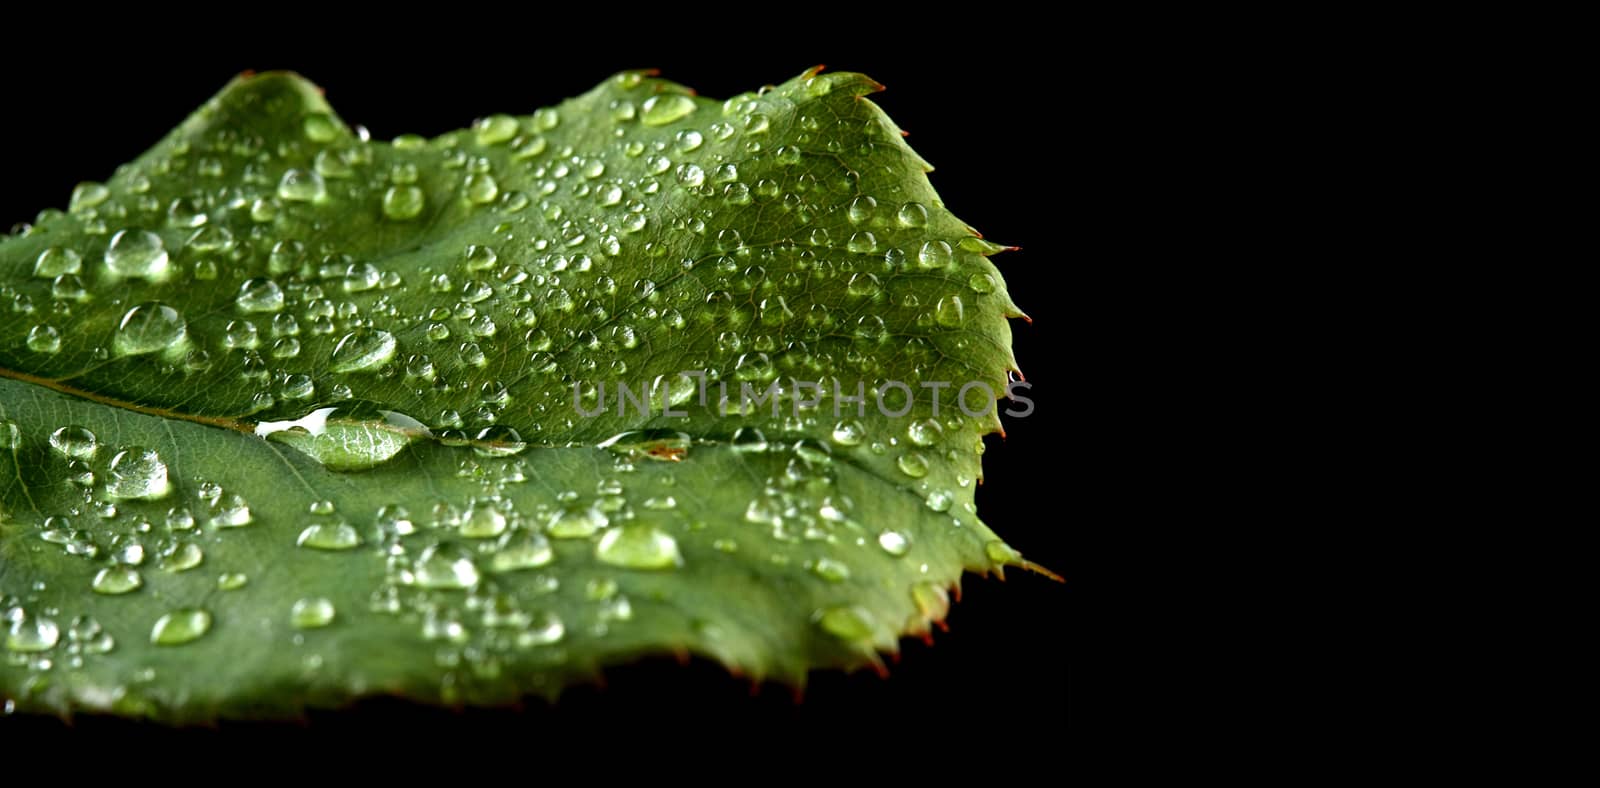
{"points": [[289, 417]]}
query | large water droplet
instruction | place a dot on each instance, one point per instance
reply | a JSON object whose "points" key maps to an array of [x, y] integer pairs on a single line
{"points": [[180, 626], [362, 350], [639, 547], [138, 253], [149, 328], [664, 109], [137, 473]]}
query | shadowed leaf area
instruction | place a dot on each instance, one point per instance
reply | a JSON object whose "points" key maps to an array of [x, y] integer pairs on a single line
{"points": [[289, 417]]}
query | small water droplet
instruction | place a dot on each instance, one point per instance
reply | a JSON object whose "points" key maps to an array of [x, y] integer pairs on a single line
{"points": [[311, 613], [894, 543], [848, 623], [913, 464], [363, 350], [404, 202], [523, 550], [259, 295], [447, 566], [74, 442], [180, 626], [302, 186], [912, 214], [116, 580], [329, 536]]}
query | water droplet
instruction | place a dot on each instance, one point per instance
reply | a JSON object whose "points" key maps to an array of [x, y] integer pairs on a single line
{"points": [[483, 520], [137, 473], [117, 580], [577, 522], [950, 311], [329, 536], [913, 464], [495, 129], [847, 623], [319, 127], [232, 581], [30, 635], [180, 626], [363, 350], [44, 339], [302, 186], [912, 214], [849, 432], [924, 432], [149, 328], [545, 628], [311, 613], [749, 439], [183, 557], [233, 513], [524, 550], [56, 261], [138, 253], [934, 254], [861, 209], [932, 599], [831, 570], [481, 188], [445, 565], [404, 203], [894, 543], [639, 547], [74, 442], [87, 195], [259, 295], [498, 441], [862, 243], [663, 109], [981, 283], [10, 435]]}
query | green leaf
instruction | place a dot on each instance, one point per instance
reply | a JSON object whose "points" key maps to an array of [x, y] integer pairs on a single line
{"points": [[288, 417]]}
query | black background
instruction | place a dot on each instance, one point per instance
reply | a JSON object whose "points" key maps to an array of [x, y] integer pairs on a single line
{"points": [[993, 119]]}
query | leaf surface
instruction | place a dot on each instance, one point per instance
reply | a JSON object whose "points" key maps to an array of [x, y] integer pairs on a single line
{"points": [[289, 417]]}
